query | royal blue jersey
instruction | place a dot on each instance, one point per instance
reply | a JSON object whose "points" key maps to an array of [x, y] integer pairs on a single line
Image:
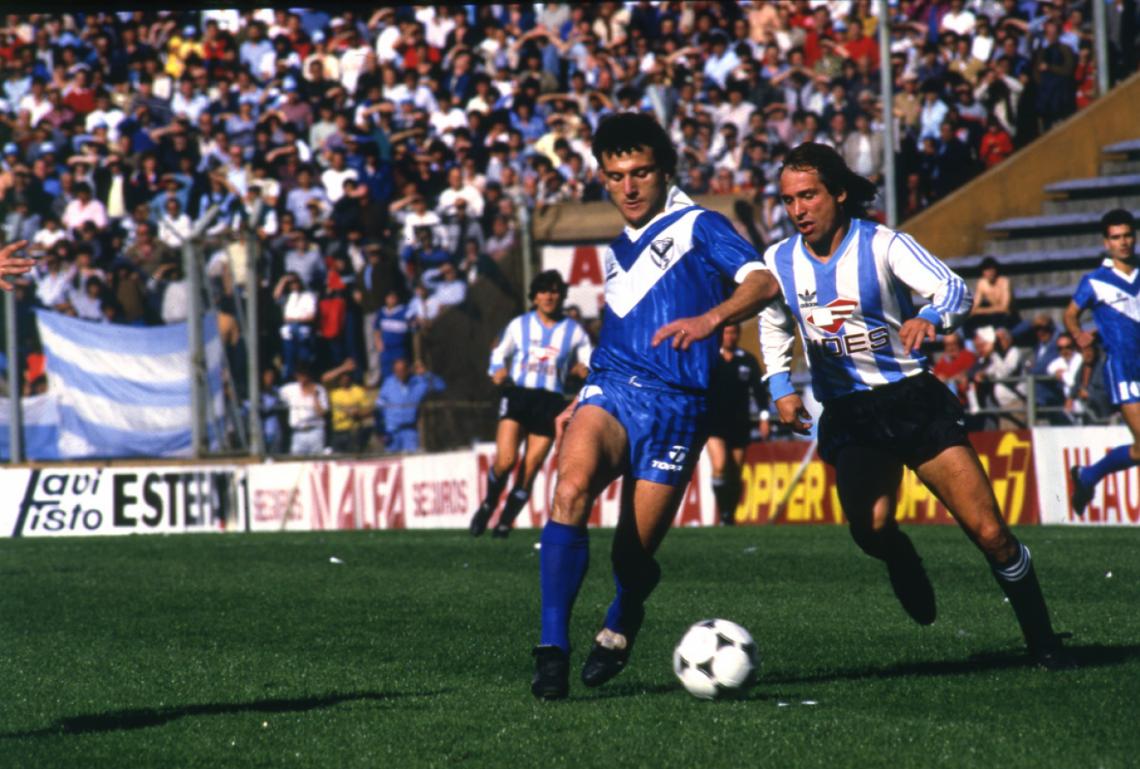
{"points": [[1114, 299], [395, 329], [679, 265], [849, 309]]}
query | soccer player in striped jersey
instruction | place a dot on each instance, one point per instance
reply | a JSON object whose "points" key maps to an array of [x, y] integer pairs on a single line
{"points": [[535, 353], [846, 283], [673, 277], [1112, 292]]}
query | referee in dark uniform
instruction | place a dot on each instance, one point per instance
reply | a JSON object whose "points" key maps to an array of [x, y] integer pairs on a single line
{"points": [[735, 383]]}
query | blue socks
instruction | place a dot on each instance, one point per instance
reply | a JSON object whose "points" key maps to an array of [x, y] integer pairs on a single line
{"points": [[562, 564], [1120, 458]]}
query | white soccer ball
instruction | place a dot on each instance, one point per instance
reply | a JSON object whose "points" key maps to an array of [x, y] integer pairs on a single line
{"points": [[716, 658]]}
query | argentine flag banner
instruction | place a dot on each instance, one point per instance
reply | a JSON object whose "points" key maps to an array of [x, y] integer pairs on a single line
{"points": [[125, 390]]}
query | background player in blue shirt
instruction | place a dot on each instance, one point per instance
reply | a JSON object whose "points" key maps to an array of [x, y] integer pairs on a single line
{"points": [[1112, 292], [846, 282], [535, 354], [642, 412]]}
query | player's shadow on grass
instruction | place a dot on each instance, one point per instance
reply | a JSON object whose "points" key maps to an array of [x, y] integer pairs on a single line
{"points": [[1086, 656], [143, 718]]}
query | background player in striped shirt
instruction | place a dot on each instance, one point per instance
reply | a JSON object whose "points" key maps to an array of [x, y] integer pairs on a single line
{"points": [[535, 354], [673, 277], [846, 283], [1112, 292]]}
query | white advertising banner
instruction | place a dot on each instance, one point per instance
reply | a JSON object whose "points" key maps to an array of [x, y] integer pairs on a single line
{"points": [[81, 501], [581, 266], [1056, 449]]}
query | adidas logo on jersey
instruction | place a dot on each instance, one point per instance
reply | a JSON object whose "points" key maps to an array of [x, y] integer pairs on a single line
{"points": [[831, 316], [660, 251], [807, 299]]}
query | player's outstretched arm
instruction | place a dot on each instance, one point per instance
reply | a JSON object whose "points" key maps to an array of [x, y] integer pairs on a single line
{"points": [[10, 264], [757, 289]]}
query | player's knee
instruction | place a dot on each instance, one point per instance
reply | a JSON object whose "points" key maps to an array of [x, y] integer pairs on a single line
{"points": [[996, 540], [570, 496], [505, 461]]}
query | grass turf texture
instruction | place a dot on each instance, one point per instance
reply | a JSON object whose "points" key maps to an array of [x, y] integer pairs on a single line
{"points": [[256, 650]]}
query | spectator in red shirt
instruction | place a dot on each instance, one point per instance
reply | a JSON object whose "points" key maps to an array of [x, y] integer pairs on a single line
{"points": [[996, 144], [954, 365]]}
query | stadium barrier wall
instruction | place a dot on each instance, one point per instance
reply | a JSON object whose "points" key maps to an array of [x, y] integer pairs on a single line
{"points": [[1029, 471]]}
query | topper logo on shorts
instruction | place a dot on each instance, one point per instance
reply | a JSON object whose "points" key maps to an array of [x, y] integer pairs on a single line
{"points": [[831, 316], [676, 463]]}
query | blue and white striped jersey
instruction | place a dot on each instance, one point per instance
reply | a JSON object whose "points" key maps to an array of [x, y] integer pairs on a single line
{"points": [[849, 309], [679, 265], [1114, 299], [540, 357]]}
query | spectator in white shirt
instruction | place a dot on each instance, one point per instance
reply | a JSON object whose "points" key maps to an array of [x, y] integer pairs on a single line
{"points": [[335, 175], [174, 227], [457, 189], [308, 402], [84, 208]]}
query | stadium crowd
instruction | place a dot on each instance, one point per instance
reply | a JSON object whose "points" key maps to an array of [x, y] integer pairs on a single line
{"points": [[381, 159]]}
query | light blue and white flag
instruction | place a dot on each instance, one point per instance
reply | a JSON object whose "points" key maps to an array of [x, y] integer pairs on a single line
{"points": [[41, 427], [125, 390]]}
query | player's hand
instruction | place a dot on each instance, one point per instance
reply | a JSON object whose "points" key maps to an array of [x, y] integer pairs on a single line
{"points": [[10, 264], [765, 429], [1084, 340], [684, 332], [914, 332], [793, 414], [561, 421]]}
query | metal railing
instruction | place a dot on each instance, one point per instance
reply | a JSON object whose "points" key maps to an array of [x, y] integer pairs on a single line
{"points": [[1026, 386]]}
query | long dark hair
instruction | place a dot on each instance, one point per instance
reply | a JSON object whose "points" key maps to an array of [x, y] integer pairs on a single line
{"points": [[835, 175]]}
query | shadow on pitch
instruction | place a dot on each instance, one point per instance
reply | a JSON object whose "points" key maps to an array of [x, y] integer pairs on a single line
{"points": [[1086, 656], [143, 718]]}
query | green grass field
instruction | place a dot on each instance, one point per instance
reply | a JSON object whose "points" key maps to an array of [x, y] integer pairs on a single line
{"points": [[257, 650]]}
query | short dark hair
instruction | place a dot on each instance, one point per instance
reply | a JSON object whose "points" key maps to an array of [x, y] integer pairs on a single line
{"points": [[626, 132], [835, 175], [990, 263], [1116, 217], [547, 280]]}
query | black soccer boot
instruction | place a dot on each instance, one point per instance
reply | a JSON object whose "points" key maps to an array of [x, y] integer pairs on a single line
{"points": [[551, 673], [1082, 494], [603, 663], [479, 520], [908, 579]]}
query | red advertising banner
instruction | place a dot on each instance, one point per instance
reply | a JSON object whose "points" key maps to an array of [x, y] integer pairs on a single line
{"points": [[769, 469]]}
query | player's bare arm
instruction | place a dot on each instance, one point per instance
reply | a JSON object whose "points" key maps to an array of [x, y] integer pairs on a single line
{"points": [[1072, 319], [10, 264], [756, 290]]}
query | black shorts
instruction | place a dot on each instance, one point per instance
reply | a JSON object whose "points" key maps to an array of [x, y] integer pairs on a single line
{"points": [[734, 429], [534, 409], [914, 419]]}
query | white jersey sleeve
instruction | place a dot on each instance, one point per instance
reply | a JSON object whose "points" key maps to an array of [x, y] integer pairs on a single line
{"points": [[777, 334], [506, 347], [927, 276]]}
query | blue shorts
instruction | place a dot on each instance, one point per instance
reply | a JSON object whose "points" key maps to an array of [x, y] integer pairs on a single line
{"points": [[666, 428], [1122, 380]]}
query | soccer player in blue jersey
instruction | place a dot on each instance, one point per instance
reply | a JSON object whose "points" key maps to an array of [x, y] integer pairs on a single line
{"points": [[846, 282], [673, 277], [1112, 292], [533, 357]]}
